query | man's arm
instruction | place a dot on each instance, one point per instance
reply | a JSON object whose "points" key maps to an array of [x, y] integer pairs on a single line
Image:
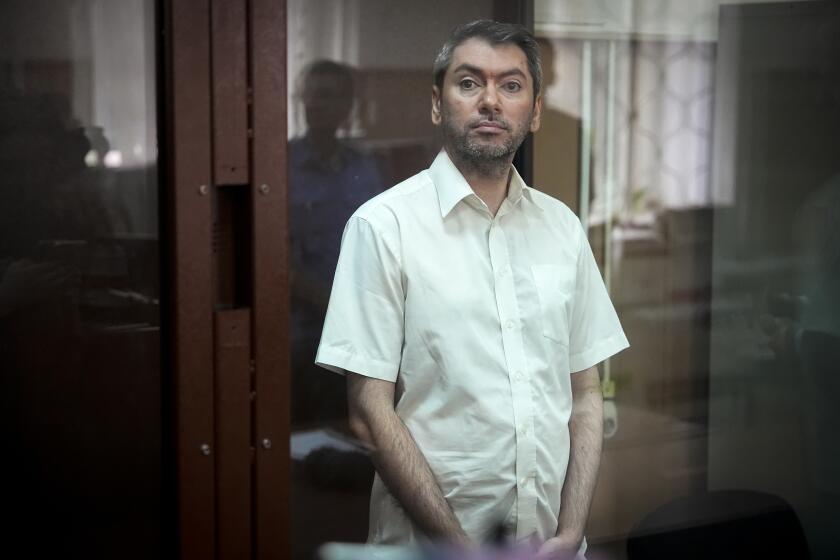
{"points": [[586, 432], [397, 458]]}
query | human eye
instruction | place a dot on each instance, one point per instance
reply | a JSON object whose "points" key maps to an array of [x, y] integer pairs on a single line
{"points": [[512, 86], [468, 84]]}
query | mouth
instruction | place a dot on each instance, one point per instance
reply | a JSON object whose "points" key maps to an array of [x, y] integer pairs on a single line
{"points": [[489, 127]]}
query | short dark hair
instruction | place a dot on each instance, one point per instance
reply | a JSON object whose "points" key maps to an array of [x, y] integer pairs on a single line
{"points": [[342, 73], [494, 33]]}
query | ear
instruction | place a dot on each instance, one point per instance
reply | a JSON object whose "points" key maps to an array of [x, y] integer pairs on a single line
{"points": [[436, 101], [535, 119]]}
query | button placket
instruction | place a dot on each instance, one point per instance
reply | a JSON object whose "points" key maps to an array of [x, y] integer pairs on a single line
{"points": [[508, 313]]}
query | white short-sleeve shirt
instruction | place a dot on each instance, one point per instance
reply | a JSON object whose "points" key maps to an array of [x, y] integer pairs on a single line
{"points": [[480, 321]]}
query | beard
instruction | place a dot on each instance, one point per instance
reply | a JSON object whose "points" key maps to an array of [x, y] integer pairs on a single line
{"points": [[473, 151]]}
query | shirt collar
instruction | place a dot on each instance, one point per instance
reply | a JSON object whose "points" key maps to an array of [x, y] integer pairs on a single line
{"points": [[452, 188]]}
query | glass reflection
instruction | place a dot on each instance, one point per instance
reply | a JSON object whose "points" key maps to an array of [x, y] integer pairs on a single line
{"points": [[707, 175], [329, 179], [79, 286]]}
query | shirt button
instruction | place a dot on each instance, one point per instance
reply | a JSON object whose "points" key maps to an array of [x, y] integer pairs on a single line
{"points": [[503, 272], [510, 324], [523, 431], [519, 376]]}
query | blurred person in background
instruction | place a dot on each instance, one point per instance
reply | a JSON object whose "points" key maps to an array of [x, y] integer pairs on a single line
{"points": [[329, 179]]}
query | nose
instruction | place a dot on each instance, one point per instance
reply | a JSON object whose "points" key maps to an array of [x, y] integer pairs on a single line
{"points": [[490, 100]]}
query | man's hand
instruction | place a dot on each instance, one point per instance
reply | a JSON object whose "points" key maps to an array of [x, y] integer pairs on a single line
{"points": [[561, 547], [398, 460], [586, 432]]}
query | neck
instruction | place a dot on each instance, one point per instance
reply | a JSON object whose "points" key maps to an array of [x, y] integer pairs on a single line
{"points": [[323, 141], [488, 179]]}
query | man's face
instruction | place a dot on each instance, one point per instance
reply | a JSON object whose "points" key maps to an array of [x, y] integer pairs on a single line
{"points": [[486, 105], [325, 103]]}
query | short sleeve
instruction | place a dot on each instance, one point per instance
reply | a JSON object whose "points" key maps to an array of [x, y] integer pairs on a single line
{"points": [[363, 330], [595, 331]]}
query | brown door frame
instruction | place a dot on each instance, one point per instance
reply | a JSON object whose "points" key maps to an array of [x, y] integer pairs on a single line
{"points": [[225, 123], [270, 278], [189, 177]]}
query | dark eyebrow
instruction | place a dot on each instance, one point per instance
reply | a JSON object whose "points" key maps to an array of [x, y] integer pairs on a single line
{"points": [[476, 70]]}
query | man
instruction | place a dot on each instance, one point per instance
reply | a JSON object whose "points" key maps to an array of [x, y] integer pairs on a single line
{"points": [[469, 316], [329, 179]]}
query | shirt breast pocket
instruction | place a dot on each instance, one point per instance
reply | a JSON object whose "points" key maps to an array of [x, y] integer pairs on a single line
{"points": [[554, 285]]}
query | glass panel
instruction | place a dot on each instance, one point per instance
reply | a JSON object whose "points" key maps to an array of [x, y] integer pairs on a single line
{"points": [[360, 75], [698, 143], [79, 279]]}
